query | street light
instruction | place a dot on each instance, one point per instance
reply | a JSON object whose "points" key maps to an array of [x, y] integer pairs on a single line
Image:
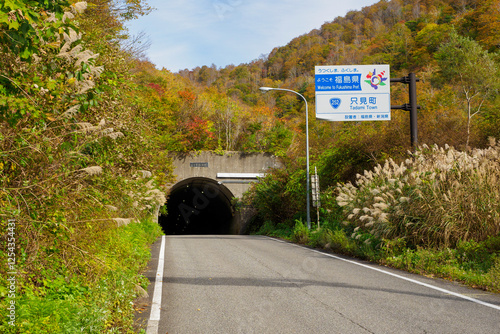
{"points": [[266, 89]]}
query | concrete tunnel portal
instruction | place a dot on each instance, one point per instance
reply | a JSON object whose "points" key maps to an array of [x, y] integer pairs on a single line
{"points": [[199, 205]]}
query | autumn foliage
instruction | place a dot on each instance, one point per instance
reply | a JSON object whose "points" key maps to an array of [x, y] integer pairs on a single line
{"points": [[86, 125]]}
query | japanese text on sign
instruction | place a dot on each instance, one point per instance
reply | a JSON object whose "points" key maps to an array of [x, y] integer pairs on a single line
{"points": [[353, 93]]}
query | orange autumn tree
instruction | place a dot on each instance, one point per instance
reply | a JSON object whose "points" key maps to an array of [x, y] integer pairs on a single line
{"points": [[197, 134]]}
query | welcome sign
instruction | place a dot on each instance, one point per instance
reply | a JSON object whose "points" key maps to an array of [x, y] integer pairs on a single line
{"points": [[353, 93]]}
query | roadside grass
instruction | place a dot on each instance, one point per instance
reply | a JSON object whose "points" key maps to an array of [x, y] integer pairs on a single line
{"points": [[435, 214], [67, 302]]}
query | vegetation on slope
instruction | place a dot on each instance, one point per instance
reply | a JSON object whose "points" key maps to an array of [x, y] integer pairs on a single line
{"points": [[77, 171], [435, 214]]}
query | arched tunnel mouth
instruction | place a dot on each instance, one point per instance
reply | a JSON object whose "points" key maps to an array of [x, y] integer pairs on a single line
{"points": [[199, 206]]}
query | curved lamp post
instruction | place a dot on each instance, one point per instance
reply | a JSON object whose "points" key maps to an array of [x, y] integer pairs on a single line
{"points": [[266, 89]]}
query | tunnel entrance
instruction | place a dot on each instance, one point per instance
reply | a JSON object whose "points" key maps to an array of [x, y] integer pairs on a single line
{"points": [[199, 206]]}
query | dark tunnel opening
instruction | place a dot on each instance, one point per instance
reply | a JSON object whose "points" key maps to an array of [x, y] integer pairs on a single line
{"points": [[198, 206]]}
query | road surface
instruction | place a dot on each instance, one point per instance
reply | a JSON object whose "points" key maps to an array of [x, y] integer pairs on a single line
{"points": [[255, 284]]}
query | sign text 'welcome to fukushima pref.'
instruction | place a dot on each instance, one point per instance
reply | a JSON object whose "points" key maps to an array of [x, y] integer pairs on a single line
{"points": [[353, 93]]}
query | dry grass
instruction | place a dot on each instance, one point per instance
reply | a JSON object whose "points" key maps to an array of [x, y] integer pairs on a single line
{"points": [[436, 198]]}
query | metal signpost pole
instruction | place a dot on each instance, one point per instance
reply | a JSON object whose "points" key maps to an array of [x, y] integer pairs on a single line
{"points": [[413, 112], [308, 205], [411, 80]]}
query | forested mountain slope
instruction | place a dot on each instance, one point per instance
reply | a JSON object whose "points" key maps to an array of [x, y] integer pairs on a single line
{"points": [[406, 35]]}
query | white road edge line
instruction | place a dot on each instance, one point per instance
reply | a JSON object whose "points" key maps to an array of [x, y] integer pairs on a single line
{"points": [[154, 318], [474, 300]]}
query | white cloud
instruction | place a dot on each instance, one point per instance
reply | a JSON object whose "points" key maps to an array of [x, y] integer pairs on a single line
{"points": [[190, 33]]}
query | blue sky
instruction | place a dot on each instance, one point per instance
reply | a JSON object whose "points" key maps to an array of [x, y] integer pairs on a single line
{"points": [[190, 33]]}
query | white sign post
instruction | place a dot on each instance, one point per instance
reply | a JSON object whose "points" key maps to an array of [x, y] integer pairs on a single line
{"points": [[316, 193], [353, 93]]}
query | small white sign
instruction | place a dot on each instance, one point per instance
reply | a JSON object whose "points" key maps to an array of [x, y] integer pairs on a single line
{"points": [[353, 93], [315, 190], [240, 175]]}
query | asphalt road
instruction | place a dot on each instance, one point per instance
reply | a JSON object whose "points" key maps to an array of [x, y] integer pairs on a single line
{"points": [[254, 284]]}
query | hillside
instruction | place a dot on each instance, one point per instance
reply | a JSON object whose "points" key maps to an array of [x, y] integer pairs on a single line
{"points": [[457, 90], [78, 169]]}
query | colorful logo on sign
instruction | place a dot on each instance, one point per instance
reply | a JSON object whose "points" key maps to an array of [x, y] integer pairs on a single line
{"points": [[375, 80], [335, 102]]}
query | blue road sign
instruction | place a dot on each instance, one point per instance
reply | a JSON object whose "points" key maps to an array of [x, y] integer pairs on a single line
{"points": [[353, 93]]}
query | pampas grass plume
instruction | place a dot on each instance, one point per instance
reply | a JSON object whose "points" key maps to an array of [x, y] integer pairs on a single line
{"points": [[93, 170]]}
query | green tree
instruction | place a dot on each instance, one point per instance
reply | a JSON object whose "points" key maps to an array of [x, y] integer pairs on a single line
{"points": [[23, 24], [465, 65]]}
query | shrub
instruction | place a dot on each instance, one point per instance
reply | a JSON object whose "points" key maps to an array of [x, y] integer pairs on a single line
{"points": [[494, 275], [300, 233], [437, 198], [339, 241], [270, 197], [266, 229], [319, 238]]}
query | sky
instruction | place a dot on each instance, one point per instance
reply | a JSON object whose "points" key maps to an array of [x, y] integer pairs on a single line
{"points": [[185, 34]]}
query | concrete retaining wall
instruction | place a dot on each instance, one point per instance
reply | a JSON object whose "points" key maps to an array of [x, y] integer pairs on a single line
{"points": [[209, 164]]}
